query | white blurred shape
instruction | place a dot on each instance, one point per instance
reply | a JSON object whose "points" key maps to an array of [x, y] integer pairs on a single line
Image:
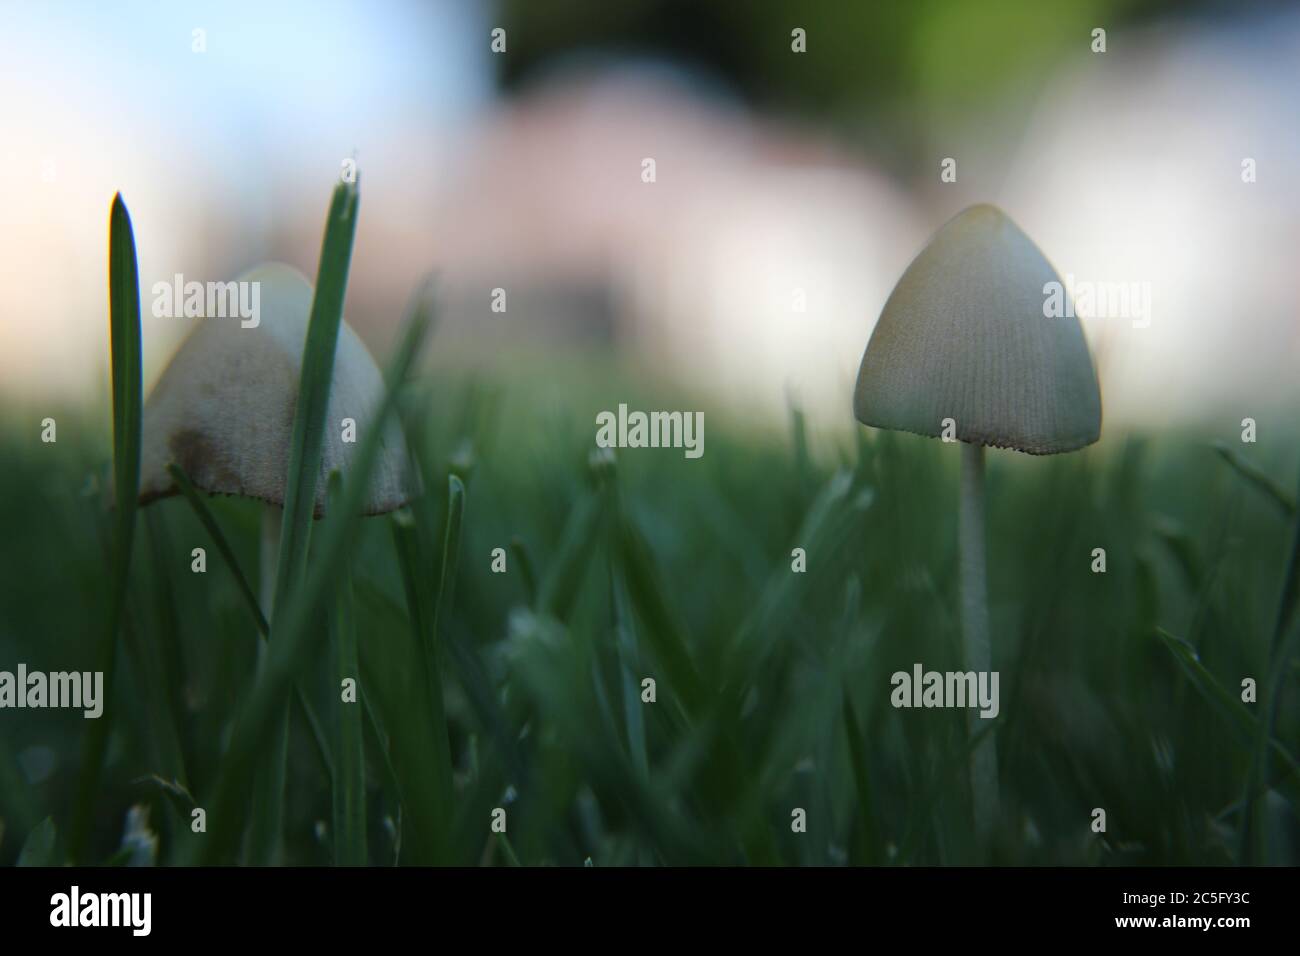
{"points": [[1131, 172], [704, 267]]}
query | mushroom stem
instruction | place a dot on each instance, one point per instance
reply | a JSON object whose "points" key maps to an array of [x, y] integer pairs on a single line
{"points": [[975, 625]]}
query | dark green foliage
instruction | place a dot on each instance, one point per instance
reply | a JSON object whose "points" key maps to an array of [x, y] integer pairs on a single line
{"points": [[522, 691], [772, 689]]}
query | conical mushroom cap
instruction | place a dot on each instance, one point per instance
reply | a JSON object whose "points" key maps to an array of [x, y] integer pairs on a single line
{"points": [[223, 409], [963, 336]]}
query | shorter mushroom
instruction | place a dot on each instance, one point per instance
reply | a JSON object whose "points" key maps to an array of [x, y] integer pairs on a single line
{"points": [[223, 410]]}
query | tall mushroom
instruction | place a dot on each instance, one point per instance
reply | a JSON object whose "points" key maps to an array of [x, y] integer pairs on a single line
{"points": [[223, 410], [964, 337]]}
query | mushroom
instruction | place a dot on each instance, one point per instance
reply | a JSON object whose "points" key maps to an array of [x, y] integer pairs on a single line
{"points": [[963, 350], [223, 410]]}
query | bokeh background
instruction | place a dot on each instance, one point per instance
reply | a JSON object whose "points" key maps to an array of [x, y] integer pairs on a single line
{"points": [[780, 176], [776, 172]]}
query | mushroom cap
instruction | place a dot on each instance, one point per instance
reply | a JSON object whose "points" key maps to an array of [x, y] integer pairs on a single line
{"points": [[223, 408], [963, 336]]}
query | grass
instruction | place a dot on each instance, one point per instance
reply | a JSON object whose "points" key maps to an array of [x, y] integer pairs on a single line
{"points": [[304, 479], [349, 774], [128, 402], [522, 691]]}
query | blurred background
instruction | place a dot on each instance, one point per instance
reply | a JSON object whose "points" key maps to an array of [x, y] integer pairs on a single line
{"points": [[791, 188], [798, 150]]}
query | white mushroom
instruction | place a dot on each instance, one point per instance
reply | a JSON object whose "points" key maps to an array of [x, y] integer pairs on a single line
{"points": [[223, 408], [964, 336]]}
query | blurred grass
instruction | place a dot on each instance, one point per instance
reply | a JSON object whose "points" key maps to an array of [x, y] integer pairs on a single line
{"points": [[771, 688]]}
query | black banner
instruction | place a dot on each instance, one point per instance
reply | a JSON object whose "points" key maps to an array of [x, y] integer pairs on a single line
{"points": [[333, 906]]}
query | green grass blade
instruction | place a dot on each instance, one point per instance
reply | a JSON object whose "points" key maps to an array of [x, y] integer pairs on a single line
{"points": [[393, 697], [1258, 478], [633, 708], [209, 522], [293, 641], [663, 631], [868, 846], [1288, 781], [1281, 650], [176, 794], [524, 562], [18, 805], [389, 787], [828, 526], [263, 846], [624, 623], [316, 731], [508, 850], [424, 629], [128, 401], [565, 573], [166, 647], [450, 552], [41, 846], [349, 753], [305, 452], [393, 677], [1288, 608], [314, 388]]}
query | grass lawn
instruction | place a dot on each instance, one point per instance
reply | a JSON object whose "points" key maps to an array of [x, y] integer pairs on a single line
{"points": [[502, 716]]}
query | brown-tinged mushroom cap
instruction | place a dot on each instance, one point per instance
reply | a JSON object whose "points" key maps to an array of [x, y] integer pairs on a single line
{"points": [[223, 408], [963, 336]]}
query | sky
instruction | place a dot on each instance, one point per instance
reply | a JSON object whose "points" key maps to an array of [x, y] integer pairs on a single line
{"points": [[218, 153]]}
